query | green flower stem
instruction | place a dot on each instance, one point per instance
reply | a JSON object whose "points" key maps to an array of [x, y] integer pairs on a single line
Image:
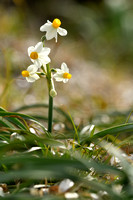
{"points": [[50, 109], [50, 114]]}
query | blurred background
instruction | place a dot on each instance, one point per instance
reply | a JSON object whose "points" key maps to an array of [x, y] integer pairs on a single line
{"points": [[98, 50]]}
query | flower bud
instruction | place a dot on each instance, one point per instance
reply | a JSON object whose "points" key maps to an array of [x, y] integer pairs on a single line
{"points": [[43, 38], [53, 93]]}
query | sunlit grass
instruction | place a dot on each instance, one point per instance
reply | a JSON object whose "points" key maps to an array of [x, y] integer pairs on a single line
{"points": [[32, 155]]}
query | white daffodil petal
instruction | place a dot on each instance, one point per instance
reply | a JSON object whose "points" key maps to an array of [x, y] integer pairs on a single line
{"points": [[42, 56], [38, 63], [60, 75], [58, 79], [45, 51], [30, 49], [62, 31], [51, 33], [59, 71], [45, 60], [45, 27], [35, 76], [64, 67], [56, 37], [32, 68], [30, 79], [65, 80], [49, 22], [39, 47]]}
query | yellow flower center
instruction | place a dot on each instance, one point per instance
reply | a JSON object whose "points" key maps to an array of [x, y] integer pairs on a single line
{"points": [[67, 75], [25, 73], [34, 55], [56, 23]]}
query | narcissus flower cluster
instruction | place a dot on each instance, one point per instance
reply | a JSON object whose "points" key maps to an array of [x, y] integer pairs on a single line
{"points": [[39, 56]]}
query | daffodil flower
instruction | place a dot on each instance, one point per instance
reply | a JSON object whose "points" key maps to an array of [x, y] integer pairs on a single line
{"points": [[62, 74], [52, 28], [30, 73], [39, 54]]}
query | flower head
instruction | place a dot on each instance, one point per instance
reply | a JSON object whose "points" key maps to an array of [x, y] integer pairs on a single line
{"points": [[39, 54], [52, 28], [62, 74], [30, 73]]}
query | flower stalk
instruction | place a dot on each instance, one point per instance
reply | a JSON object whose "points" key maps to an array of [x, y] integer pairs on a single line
{"points": [[50, 114], [50, 108]]}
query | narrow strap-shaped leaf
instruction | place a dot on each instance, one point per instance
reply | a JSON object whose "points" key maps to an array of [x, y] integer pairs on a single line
{"points": [[14, 121], [124, 128], [23, 116], [37, 168], [43, 118], [4, 123], [59, 110]]}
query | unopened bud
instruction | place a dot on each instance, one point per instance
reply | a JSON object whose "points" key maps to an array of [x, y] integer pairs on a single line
{"points": [[43, 38], [53, 93]]}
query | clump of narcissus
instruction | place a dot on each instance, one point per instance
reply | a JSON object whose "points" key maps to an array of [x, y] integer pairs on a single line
{"points": [[39, 55]]}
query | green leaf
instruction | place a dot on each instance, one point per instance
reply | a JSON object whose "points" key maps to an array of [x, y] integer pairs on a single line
{"points": [[35, 168], [121, 129], [59, 110], [5, 123], [13, 120], [23, 117]]}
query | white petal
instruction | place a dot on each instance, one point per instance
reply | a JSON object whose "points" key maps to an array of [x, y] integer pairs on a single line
{"points": [[31, 49], [51, 33], [30, 79], [58, 75], [64, 67], [35, 76], [39, 47], [49, 22], [58, 79], [45, 27], [44, 60], [45, 51], [59, 71], [38, 63], [32, 68], [65, 80], [62, 31], [56, 38]]}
